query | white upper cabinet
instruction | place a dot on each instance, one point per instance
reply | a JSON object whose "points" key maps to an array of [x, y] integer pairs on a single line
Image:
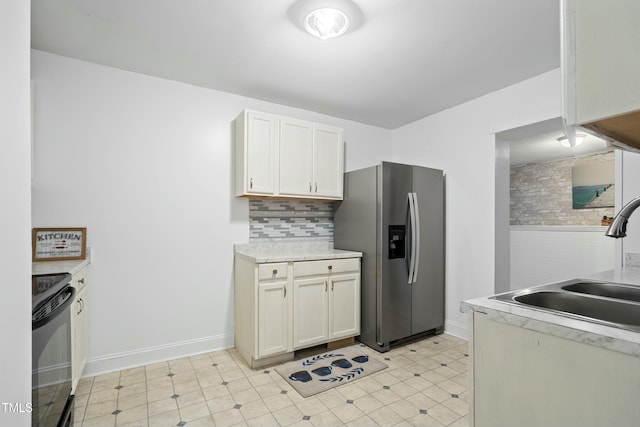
{"points": [[286, 157], [256, 153], [328, 161], [600, 68], [296, 157], [311, 159]]}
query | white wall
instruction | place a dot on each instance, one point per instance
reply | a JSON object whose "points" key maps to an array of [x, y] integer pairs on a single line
{"points": [[461, 142], [15, 251], [549, 254], [145, 164]]}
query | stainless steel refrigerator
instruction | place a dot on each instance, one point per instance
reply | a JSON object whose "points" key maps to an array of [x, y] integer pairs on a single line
{"points": [[394, 215]]}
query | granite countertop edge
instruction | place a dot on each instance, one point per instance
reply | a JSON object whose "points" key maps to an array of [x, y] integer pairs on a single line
{"points": [[608, 337], [291, 251]]}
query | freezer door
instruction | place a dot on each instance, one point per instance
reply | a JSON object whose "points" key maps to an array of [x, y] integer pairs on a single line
{"points": [[394, 243], [427, 302]]}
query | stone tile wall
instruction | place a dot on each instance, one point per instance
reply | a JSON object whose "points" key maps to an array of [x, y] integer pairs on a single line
{"points": [[541, 193], [290, 219]]}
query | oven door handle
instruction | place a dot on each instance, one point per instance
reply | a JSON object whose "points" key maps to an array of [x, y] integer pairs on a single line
{"points": [[43, 320]]}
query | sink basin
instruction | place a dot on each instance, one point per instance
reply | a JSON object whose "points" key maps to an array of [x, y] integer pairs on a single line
{"points": [[610, 304], [610, 290], [604, 310]]}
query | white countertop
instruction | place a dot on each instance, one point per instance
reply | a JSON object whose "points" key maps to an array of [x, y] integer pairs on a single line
{"points": [[609, 337], [54, 267], [291, 251]]}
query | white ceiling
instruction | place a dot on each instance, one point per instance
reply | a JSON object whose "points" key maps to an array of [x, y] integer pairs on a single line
{"points": [[538, 143], [401, 61]]}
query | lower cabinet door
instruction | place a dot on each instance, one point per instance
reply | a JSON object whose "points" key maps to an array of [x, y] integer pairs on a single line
{"points": [[310, 311], [344, 306], [273, 322]]}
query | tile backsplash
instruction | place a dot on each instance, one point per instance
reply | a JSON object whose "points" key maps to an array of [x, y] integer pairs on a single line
{"points": [[290, 219], [541, 193]]}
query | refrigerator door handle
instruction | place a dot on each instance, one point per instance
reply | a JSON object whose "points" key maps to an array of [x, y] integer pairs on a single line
{"points": [[412, 222], [416, 253]]}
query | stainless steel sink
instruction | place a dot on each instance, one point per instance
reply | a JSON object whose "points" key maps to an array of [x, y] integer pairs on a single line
{"points": [[610, 290], [604, 303]]}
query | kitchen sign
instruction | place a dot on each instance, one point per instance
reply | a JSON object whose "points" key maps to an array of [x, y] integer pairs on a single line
{"points": [[55, 244]]}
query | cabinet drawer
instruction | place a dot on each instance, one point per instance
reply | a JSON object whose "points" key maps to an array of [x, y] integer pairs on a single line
{"points": [[272, 271], [311, 268]]}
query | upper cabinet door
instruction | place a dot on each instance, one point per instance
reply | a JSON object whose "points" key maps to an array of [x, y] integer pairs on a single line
{"points": [[328, 163], [296, 152], [600, 67], [256, 153]]}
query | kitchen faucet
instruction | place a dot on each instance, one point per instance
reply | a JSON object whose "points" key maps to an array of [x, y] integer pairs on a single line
{"points": [[618, 227]]}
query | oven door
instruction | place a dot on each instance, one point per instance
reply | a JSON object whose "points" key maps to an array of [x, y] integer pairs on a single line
{"points": [[52, 403]]}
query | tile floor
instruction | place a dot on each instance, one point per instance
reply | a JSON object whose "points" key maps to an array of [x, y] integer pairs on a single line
{"points": [[425, 384]]}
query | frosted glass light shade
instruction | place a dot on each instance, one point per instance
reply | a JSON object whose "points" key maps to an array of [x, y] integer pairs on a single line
{"points": [[326, 23]]}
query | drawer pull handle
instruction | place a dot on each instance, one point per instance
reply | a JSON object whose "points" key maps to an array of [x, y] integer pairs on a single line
{"points": [[81, 280], [275, 271], [330, 267]]}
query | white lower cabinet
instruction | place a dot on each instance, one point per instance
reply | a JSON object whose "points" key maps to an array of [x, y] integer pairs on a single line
{"points": [[79, 328], [310, 312], [282, 307], [326, 301], [521, 377], [344, 300], [273, 318]]}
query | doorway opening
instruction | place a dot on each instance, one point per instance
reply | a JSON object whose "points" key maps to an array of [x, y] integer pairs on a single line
{"points": [[540, 236]]}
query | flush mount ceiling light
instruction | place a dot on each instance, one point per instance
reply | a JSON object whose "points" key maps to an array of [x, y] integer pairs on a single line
{"points": [[564, 141], [326, 23]]}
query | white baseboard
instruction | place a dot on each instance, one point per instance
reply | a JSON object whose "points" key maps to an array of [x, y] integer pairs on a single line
{"points": [[50, 375], [144, 356], [456, 329]]}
